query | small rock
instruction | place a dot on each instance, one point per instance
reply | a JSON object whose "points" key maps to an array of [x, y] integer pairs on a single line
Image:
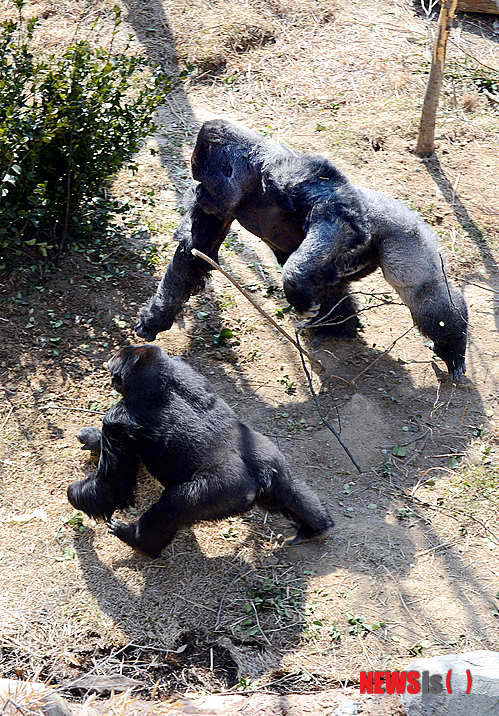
{"points": [[346, 708], [483, 697], [33, 697], [103, 684]]}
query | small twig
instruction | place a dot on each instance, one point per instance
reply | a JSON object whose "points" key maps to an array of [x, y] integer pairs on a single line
{"points": [[7, 418], [454, 188], [493, 97], [236, 578], [67, 407], [448, 454], [10, 702], [323, 321], [382, 354], [421, 481], [464, 411], [448, 288], [453, 509], [484, 288], [195, 604], [475, 59], [99, 665], [439, 546], [318, 405], [259, 625], [68, 194], [407, 609], [255, 304], [365, 650]]}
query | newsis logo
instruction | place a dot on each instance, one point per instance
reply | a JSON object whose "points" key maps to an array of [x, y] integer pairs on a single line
{"points": [[410, 682]]}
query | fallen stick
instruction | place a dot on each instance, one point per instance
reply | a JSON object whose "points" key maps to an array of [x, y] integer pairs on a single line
{"points": [[258, 308], [68, 407], [381, 355], [318, 405], [297, 345]]}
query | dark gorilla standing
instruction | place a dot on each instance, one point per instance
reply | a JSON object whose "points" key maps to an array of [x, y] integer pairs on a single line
{"points": [[211, 465], [325, 231]]}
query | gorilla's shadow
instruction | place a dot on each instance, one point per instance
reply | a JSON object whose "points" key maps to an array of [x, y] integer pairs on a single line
{"points": [[151, 28], [185, 595], [435, 170]]}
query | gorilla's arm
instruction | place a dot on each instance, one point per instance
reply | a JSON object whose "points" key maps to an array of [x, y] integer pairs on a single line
{"points": [[225, 163], [308, 266], [112, 487], [185, 274], [412, 263], [330, 252]]}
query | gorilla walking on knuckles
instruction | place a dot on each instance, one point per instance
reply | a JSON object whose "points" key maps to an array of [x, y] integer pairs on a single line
{"points": [[325, 232], [211, 465]]}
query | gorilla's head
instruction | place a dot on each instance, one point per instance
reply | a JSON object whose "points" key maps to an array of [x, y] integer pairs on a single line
{"points": [[132, 366]]}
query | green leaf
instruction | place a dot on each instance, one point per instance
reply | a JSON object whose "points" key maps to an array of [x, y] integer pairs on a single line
{"points": [[399, 451], [221, 337]]}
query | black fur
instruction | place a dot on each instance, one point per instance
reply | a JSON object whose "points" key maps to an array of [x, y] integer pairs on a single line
{"points": [[325, 231], [211, 465]]}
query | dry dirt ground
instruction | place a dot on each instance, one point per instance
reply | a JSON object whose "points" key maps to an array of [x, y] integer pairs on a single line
{"points": [[413, 564]]}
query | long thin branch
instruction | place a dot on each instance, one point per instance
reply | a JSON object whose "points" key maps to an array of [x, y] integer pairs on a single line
{"points": [[484, 288], [318, 405], [255, 304], [452, 509], [296, 343]]}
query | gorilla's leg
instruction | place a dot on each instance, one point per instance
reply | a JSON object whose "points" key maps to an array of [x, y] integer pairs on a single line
{"points": [[299, 504], [185, 274], [337, 312], [224, 491]]}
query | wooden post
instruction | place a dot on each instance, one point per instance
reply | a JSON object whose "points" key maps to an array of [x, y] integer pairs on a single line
{"points": [[488, 6], [426, 136]]}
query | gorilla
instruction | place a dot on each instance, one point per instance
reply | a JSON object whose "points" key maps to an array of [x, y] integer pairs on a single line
{"points": [[211, 465], [325, 232]]}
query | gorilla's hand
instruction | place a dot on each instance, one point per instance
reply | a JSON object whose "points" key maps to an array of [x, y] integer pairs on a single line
{"points": [[453, 356], [90, 439]]}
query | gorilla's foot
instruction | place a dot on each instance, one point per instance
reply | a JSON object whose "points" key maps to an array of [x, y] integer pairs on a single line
{"points": [[307, 533], [128, 535]]}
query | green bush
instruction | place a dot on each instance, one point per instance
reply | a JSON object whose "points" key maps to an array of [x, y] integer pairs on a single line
{"points": [[66, 127]]}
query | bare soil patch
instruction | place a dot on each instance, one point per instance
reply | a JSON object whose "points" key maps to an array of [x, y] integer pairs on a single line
{"points": [[413, 565]]}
